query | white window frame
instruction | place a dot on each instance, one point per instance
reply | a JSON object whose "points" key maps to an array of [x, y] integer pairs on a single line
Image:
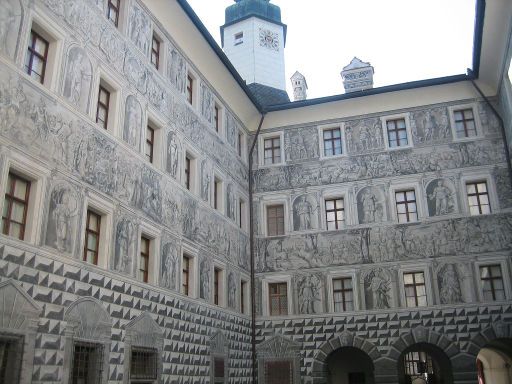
{"points": [[247, 292], [51, 32], [38, 176], [275, 200], [157, 123], [505, 274], [108, 81], [407, 118], [491, 191], [193, 281], [241, 151], [194, 168], [153, 234], [421, 267], [222, 284], [478, 126], [321, 129], [239, 40], [265, 293], [105, 208], [418, 192], [261, 148], [347, 273], [349, 207]]}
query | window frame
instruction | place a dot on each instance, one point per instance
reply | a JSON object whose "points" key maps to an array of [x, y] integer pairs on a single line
{"points": [[103, 106], [342, 274], [242, 214], [478, 127], [191, 93], [261, 148], [221, 285], [267, 221], [156, 52], [190, 253], [193, 177], [421, 209], [157, 124], [406, 117], [101, 359], [33, 53], [238, 38], [266, 291], [218, 192], [321, 130], [244, 295], [152, 233], [491, 191], [343, 224], [107, 81], [416, 268], [274, 200], [9, 198], [505, 274], [117, 10]]}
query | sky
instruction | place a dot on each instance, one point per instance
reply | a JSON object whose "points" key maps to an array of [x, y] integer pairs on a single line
{"points": [[404, 40]]}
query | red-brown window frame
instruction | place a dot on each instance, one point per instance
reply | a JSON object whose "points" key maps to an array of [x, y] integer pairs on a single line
{"points": [[190, 89], [242, 296], [394, 130], [280, 298], [34, 36], [144, 258], [415, 285], [343, 292], [112, 8], [9, 199], [150, 141], [96, 233], [239, 148], [155, 51], [279, 219], [188, 163], [216, 118], [335, 210], [216, 279], [464, 120], [103, 106], [185, 275]]}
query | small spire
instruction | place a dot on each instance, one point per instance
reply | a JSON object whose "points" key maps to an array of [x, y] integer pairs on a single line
{"points": [[300, 86]]}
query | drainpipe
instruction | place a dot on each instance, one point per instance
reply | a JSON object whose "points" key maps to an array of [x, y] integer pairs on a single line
{"points": [[500, 121], [251, 244]]}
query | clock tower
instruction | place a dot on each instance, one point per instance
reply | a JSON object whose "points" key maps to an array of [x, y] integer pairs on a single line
{"points": [[253, 38]]}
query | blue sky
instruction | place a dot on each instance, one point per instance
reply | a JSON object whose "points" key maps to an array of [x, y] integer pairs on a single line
{"points": [[405, 40]]}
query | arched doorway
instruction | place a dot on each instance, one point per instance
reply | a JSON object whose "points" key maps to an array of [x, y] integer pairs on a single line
{"points": [[424, 363], [349, 365], [494, 362]]}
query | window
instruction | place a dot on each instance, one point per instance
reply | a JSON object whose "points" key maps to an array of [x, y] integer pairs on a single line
{"points": [[239, 38], [14, 217], [188, 172], [240, 144], [406, 206], [241, 213], [219, 372], [415, 290], [332, 142], [334, 213], [217, 194], [272, 150], [279, 372], [417, 366], [37, 56], [278, 299], [87, 363], [465, 125], [216, 118], [92, 237], [150, 143], [143, 274], [342, 293], [185, 275], [243, 296], [11, 356], [478, 198], [216, 278], [113, 8], [397, 133], [275, 220], [190, 89], [143, 365], [155, 52], [102, 107], [492, 283]]}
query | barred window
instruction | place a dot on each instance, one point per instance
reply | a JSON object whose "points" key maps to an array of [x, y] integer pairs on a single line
{"points": [[279, 372], [144, 364], [87, 363], [11, 357], [417, 364], [278, 299]]}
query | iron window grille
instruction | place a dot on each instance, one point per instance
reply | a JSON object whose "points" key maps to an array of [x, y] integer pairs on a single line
{"points": [[11, 357], [144, 364], [219, 371], [418, 364], [87, 363], [279, 372], [14, 217]]}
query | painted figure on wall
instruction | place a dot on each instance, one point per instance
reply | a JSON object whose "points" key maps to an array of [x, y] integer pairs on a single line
{"points": [[132, 121], [450, 290], [173, 153], [139, 29], [77, 81], [177, 70], [304, 210], [442, 198], [204, 279], [10, 22], [205, 180], [169, 262], [232, 290], [124, 246], [308, 289]]}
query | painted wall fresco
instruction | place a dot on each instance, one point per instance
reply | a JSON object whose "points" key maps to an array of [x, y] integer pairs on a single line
{"points": [[10, 27]]}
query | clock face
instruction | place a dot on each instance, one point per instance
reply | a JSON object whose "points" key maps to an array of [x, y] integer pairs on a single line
{"points": [[269, 39]]}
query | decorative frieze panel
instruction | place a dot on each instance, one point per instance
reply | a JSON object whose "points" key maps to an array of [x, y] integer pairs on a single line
{"points": [[364, 136], [10, 27], [78, 77], [301, 144]]}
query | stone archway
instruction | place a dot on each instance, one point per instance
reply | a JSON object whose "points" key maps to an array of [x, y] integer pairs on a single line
{"points": [[346, 339]]}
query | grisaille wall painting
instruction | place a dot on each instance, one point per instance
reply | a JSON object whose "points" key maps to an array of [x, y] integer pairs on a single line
{"points": [[10, 27], [78, 78], [133, 117]]}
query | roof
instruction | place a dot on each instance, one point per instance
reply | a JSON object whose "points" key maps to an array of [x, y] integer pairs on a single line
{"points": [[268, 96], [357, 63]]}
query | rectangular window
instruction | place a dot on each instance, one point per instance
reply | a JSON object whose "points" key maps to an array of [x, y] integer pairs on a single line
{"points": [[219, 372], [216, 279], [188, 163], [397, 133], [216, 118], [144, 259], [478, 198], [415, 290], [37, 56], [332, 142], [272, 150], [239, 144], [92, 237], [190, 86], [150, 143], [278, 372], [492, 283], [217, 185], [102, 107], [335, 213], [243, 287], [342, 294], [155, 52], [239, 38], [241, 213], [14, 217], [275, 220], [11, 356], [406, 209], [113, 11], [87, 363], [278, 299], [185, 276], [464, 123], [144, 364]]}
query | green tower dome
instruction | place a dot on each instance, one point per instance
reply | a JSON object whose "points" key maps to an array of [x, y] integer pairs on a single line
{"points": [[243, 9]]}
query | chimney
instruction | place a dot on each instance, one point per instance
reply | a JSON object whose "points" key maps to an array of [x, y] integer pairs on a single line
{"points": [[357, 76], [300, 86]]}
